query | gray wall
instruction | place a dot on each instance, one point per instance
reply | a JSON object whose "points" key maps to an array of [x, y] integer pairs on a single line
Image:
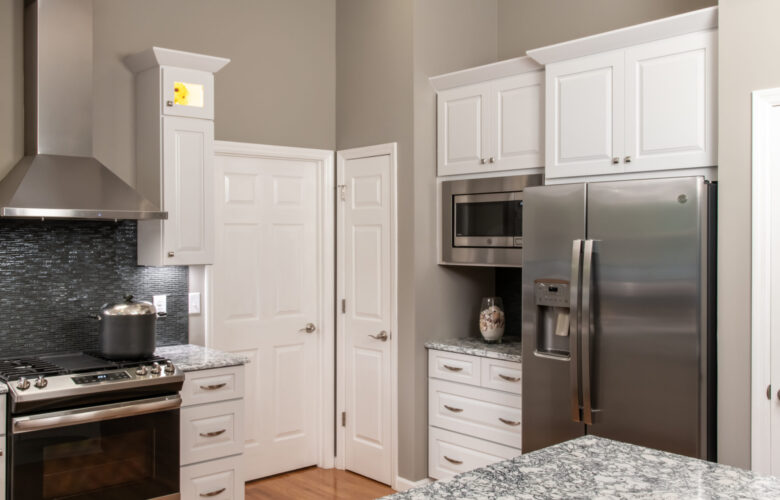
{"points": [[278, 89], [529, 24], [748, 41]]}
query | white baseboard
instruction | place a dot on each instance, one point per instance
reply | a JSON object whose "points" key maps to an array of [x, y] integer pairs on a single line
{"points": [[403, 484]]}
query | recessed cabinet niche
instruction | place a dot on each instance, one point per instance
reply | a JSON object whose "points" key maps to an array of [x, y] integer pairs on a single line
{"points": [[174, 154]]}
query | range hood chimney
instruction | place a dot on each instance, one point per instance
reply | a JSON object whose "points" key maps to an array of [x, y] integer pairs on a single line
{"points": [[59, 176]]}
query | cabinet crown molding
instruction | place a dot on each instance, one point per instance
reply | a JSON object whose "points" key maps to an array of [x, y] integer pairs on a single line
{"points": [[492, 71], [158, 56], [688, 22]]}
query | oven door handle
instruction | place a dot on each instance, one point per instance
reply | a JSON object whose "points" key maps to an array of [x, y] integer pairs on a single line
{"points": [[94, 414]]}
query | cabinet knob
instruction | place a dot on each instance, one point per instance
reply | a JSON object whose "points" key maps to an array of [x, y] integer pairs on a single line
{"points": [[170, 254], [615, 160], [482, 161], [492, 160], [169, 104], [627, 159]]}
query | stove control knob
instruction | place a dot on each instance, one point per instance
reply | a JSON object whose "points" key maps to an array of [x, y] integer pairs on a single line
{"points": [[23, 384], [169, 368], [142, 370], [41, 382], [155, 368]]}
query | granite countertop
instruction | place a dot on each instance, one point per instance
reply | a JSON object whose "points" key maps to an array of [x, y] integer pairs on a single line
{"points": [[509, 349], [593, 467], [190, 357]]}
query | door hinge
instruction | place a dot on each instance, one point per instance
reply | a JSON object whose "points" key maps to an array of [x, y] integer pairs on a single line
{"points": [[342, 191], [343, 419], [343, 306]]}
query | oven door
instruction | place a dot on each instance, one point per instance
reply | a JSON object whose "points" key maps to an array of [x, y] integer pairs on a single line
{"points": [[492, 220], [121, 451]]}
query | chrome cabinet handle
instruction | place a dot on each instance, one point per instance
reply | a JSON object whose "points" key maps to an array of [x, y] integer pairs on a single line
{"points": [[309, 328], [492, 160], [453, 409], [508, 378], [482, 161], [212, 434], [453, 368], [574, 331], [627, 159], [212, 493], [381, 336], [509, 422], [171, 254], [615, 160], [452, 460], [213, 387], [169, 104]]}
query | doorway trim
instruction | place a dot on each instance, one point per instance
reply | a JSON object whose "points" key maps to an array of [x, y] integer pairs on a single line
{"points": [[326, 235], [761, 282], [390, 149]]}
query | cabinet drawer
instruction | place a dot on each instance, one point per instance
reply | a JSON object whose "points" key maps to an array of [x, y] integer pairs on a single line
{"points": [[450, 453], [502, 375], [216, 480], [211, 431], [475, 411], [452, 366], [208, 386]]}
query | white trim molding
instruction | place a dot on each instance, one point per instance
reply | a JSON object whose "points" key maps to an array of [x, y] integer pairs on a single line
{"points": [[764, 217], [403, 484], [479, 74]]}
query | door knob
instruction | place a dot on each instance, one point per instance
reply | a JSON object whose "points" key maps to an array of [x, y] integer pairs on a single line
{"points": [[380, 336], [309, 328]]}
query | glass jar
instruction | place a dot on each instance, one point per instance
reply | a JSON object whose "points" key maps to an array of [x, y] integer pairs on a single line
{"points": [[492, 319]]}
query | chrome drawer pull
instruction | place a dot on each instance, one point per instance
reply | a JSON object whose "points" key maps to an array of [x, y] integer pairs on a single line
{"points": [[213, 387], [212, 434], [509, 422], [508, 378], [454, 410], [212, 493], [452, 460], [453, 368]]}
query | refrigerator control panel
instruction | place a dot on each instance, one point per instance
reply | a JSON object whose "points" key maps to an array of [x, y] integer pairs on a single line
{"points": [[552, 293]]}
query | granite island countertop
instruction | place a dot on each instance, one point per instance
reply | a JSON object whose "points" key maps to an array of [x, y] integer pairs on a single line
{"points": [[509, 349], [594, 467], [190, 357]]}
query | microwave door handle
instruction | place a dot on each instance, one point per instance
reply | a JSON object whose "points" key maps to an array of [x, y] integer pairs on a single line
{"points": [[586, 327], [574, 297]]}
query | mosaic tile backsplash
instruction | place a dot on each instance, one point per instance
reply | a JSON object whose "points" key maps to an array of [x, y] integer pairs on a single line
{"points": [[55, 274], [509, 285]]}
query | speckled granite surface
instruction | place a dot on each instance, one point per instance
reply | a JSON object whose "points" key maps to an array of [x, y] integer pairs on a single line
{"points": [[189, 357], [509, 349], [3, 388], [593, 467]]}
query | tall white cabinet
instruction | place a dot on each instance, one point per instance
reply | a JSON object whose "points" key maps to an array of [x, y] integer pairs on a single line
{"points": [[648, 105], [174, 153]]}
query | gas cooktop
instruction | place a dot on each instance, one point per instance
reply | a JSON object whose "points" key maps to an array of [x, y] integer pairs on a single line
{"points": [[12, 369]]}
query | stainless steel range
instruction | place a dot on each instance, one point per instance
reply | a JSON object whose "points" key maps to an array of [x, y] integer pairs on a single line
{"points": [[84, 427]]}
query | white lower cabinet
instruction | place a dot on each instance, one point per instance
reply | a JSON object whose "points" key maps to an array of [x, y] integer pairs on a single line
{"points": [[474, 412], [212, 434]]}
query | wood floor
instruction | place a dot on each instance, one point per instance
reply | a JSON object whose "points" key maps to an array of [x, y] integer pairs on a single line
{"points": [[315, 483]]}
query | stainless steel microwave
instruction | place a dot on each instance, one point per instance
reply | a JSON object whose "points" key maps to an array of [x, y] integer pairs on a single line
{"points": [[482, 220]]}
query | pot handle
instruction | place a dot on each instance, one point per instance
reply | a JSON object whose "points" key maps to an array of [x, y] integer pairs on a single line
{"points": [[94, 316], [129, 297]]}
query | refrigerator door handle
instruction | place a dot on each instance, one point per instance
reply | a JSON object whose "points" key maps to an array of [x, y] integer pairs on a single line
{"points": [[586, 329], [574, 298]]}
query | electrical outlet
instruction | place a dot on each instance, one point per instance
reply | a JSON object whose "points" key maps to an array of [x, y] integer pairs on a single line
{"points": [[160, 303], [195, 303]]}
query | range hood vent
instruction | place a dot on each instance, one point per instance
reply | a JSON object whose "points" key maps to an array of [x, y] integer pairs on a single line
{"points": [[59, 177]]}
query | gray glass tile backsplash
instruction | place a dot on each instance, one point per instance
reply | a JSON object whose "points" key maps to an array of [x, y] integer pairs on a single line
{"points": [[54, 274]]}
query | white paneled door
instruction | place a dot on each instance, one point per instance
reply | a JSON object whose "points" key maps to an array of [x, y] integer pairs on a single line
{"points": [[366, 283], [269, 279]]}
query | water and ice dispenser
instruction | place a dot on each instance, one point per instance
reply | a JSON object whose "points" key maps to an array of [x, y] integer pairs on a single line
{"points": [[552, 317]]}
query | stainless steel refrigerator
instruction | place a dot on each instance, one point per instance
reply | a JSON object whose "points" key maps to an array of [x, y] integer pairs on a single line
{"points": [[618, 314]]}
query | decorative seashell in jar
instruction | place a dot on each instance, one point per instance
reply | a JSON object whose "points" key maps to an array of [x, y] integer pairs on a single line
{"points": [[492, 319]]}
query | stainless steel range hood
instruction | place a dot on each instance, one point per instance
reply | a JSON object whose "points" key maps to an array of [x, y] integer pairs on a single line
{"points": [[59, 177]]}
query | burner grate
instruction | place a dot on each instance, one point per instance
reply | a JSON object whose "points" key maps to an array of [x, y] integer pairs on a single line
{"points": [[13, 369]]}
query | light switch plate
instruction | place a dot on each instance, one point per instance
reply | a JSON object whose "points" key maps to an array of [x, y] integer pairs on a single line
{"points": [[195, 303], [160, 303]]}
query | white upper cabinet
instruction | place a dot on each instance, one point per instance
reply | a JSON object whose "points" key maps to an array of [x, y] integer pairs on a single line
{"points": [[648, 108], [490, 118], [174, 154]]}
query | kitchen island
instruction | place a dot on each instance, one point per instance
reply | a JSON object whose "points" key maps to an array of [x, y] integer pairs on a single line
{"points": [[593, 467]]}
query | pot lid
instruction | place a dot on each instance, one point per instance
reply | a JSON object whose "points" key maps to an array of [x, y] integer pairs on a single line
{"points": [[129, 308]]}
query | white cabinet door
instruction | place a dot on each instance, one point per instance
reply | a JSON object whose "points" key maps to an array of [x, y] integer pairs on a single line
{"points": [[671, 103], [584, 116], [463, 116], [187, 92], [188, 194], [518, 141]]}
